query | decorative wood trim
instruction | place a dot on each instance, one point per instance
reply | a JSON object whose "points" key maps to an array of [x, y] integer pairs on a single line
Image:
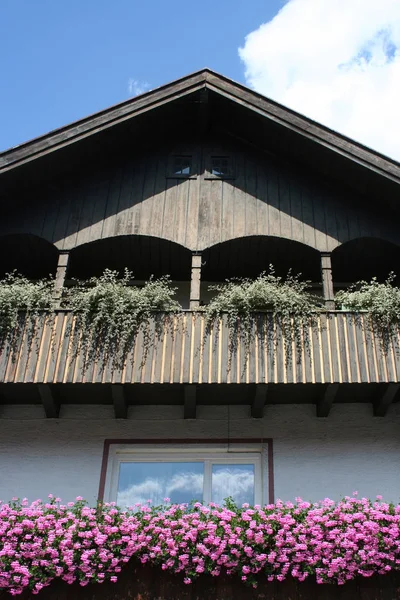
{"points": [[259, 400], [382, 404], [50, 404], [110, 442], [119, 401], [189, 410], [324, 404]]}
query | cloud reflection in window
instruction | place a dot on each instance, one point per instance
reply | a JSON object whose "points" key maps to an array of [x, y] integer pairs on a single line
{"points": [[139, 482], [236, 481]]}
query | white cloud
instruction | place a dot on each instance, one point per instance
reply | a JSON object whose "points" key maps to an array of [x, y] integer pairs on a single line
{"points": [[156, 489], [235, 482], [135, 87], [336, 61]]}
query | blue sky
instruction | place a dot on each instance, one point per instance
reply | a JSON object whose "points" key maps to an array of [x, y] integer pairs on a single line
{"points": [[336, 61], [65, 59]]}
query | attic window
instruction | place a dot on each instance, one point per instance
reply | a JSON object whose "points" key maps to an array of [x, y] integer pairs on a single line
{"points": [[182, 166], [221, 166]]}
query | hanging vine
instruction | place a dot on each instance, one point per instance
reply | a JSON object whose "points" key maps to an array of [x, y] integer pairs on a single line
{"points": [[380, 300], [110, 312], [22, 304], [288, 300]]}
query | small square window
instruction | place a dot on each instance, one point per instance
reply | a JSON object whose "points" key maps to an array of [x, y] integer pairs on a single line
{"points": [[221, 166], [182, 166]]}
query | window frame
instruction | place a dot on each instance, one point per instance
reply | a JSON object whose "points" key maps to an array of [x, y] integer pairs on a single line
{"points": [[209, 167], [250, 451], [171, 166]]}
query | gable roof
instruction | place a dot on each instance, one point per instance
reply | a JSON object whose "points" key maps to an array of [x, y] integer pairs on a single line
{"points": [[287, 120]]}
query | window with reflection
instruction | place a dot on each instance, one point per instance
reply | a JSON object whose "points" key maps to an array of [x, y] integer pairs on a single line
{"points": [[182, 166], [221, 166], [184, 476], [139, 482]]}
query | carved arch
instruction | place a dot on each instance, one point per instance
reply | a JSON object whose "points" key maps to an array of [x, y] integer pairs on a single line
{"points": [[28, 254]]}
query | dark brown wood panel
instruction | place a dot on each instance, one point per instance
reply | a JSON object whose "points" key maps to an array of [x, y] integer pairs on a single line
{"points": [[132, 195], [143, 582]]}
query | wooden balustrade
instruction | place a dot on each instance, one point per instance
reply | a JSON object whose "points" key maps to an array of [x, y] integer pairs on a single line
{"points": [[338, 348]]}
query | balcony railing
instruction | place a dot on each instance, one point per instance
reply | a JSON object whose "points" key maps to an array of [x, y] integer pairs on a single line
{"points": [[338, 348]]}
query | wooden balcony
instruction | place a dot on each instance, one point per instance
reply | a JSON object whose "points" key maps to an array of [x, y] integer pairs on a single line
{"points": [[338, 348], [143, 582]]}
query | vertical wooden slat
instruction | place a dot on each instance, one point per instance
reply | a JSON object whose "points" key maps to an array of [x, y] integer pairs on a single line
{"points": [[159, 362], [151, 352], [170, 333], [138, 365], [331, 323], [342, 349], [380, 358], [271, 344], [185, 377], [361, 349], [28, 352], [316, 353], [308, 353], [62, 358], [352, 353], [179, 353], [325, 347], [18, 343]]}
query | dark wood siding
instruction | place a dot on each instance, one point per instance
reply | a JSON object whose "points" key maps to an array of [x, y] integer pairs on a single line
{"points": [[132, 195], [139, 582]]}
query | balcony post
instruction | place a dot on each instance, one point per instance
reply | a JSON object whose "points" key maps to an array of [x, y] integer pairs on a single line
{"points": [[195, 281], [62, 266], [327, 283]]}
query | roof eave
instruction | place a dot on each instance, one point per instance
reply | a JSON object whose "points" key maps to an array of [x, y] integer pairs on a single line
{"points": [[59, 138]]}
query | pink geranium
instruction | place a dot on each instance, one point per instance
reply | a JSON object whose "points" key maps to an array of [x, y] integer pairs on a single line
{"points": [[334, 542]]}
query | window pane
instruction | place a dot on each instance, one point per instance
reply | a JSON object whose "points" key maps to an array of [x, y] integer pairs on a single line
{"points": [[182, 165], [142, 481], [220, 166], [236, 481]]}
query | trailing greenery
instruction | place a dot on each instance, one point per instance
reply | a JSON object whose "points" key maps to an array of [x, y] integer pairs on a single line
{"points": [[17, 293], [291, 304], [110, 312], [380, 300]]}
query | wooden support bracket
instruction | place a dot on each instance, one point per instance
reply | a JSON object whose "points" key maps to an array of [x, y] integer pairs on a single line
{"points": [[259, 400], [119, 401], [324, 404], [50, 404], [382, 404], [189, 409]]}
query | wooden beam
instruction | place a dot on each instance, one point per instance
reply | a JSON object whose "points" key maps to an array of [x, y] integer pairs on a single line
{"points": [[62, 266], [382, 403], [50, 404], [324, 404], [195, 281], [119, 401], [189, 407], [327, 282], [259, 400]]}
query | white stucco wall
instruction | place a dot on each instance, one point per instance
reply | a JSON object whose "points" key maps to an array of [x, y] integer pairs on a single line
{"points": [[313, 458]]}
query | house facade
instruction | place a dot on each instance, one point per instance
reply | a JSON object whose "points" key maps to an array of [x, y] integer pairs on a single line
{"points": [[203, 180]]}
